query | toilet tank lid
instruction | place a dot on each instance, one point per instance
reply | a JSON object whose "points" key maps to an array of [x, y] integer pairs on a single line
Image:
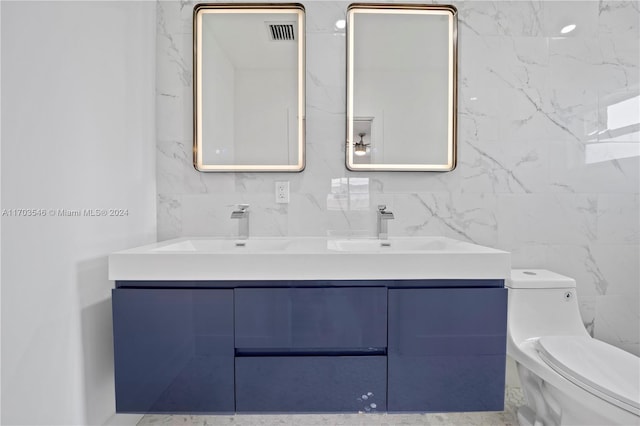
{"points": [[538, 278], [595, 366]]}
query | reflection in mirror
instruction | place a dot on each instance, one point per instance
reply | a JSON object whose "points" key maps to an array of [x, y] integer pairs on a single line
{"points": [[401, 87], [249, 105], [617, 133]]}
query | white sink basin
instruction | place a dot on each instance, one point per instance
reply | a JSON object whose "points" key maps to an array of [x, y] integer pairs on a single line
{"points": [[224, 245], [396, 244], [309, 258]]}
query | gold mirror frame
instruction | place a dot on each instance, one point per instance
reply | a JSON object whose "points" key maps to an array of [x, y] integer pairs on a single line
{"points": [[352, 142], [198, 12]]}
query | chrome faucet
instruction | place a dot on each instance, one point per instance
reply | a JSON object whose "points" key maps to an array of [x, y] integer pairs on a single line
{"points": [[242, 214], [383, 217]]}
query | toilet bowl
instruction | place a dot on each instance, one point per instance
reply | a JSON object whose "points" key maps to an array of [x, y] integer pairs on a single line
{"points": [[568, 378]]}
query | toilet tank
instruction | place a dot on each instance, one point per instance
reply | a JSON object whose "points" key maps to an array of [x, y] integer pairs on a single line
{"points": [[542, 303]]}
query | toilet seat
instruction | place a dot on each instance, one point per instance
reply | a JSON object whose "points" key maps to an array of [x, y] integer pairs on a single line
{"points": [[601, 369]]}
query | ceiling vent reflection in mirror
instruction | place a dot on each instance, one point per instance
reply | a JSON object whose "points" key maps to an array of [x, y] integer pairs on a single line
{"points": [[281, 31]]}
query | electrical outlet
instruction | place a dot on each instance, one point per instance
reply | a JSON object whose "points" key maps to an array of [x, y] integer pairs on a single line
{"points": [[282, 192]]}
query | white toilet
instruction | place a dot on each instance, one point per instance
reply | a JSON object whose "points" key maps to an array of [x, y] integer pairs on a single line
{"points": [[568, 378]]}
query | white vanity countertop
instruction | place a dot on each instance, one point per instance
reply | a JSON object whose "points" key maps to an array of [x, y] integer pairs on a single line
{"points": [[309, 258]]}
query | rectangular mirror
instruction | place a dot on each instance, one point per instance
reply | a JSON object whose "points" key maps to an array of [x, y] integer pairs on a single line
{"points": [[249, 82], [401, 87]]}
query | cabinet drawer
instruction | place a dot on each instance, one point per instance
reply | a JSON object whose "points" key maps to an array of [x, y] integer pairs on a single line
{"points": [[283, 319], [311, 384]]}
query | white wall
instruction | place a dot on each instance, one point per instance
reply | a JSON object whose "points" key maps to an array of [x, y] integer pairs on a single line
{"points": [[266, 135], [238, 126], [403, 90], [407, 115], [78, 110], [538, 173], [0, 220]]}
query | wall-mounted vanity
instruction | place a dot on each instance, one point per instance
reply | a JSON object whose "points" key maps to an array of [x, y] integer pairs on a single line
{"points": [[296, 325]]}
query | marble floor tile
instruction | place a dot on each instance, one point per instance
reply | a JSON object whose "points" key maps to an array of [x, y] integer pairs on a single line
{"points": [[513, 398]]}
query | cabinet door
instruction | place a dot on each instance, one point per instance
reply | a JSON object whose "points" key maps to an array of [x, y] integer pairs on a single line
{"points": [[173, 350], [320, 319], [311, 384], [447, 349]]}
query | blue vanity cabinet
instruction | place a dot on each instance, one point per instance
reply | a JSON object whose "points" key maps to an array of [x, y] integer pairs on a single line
{"points": [[309, 346], [447, 349], [173, 350]]}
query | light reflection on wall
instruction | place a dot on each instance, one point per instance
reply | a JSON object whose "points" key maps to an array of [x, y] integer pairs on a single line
{"points": [[621, 137], [348, 194]]}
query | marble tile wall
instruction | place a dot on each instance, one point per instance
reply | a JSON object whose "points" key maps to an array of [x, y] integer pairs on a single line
{"points": [[542, 171]]}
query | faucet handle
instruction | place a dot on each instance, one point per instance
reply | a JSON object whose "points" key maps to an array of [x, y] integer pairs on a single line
{"points": [[382, 207]]}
